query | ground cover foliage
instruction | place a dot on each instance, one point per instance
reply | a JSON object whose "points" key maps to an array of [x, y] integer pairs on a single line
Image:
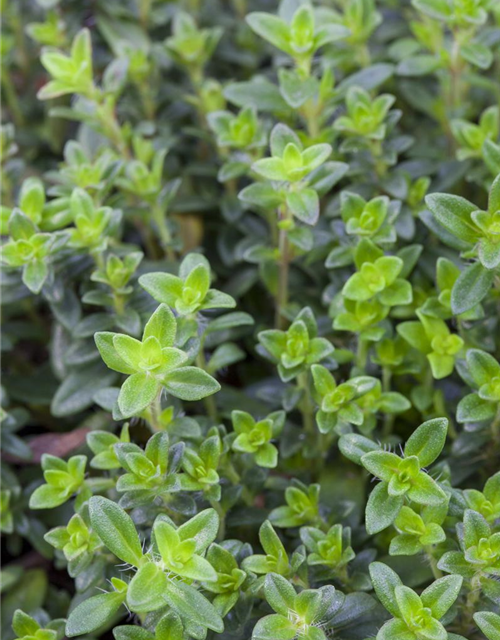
{"points": [[251, 296]]}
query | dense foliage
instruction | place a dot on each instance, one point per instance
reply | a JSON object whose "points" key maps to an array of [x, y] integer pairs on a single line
{"points": [[251, 337]]}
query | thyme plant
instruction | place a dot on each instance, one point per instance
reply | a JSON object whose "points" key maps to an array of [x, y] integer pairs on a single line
{"points": [[251, 343]]}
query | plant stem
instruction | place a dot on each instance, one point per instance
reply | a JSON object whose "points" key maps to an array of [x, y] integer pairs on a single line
{"points": [[362, 354], [311, 117], [209, 401], [115, 134], [455, 73], [386, 379], [147, 234], [23, 57], [222, 518], [147, 101], [386, 387], [299, 581], [364, 56], [163, 230], [231, 473], [470, 607], [240, 8], [99, 259], [12, 100], [119, 303], [306, 405], [111, 127], [284, 268], [144, 11], [377, 151], [495, 427], [433, 563], [234, 477], [155, 411]]}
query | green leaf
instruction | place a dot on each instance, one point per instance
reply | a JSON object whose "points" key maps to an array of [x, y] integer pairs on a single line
{"points": [[23, 624], [202, 528], [190, 383], [483, 366], [271, 28], [407, 600], [475, 528], [427, 441], [188, 602], [491, 155], [270, 540], [489, 623], [261, 194], [259, 93], [441, 365], [295, 89], [354, 446], [218, 300], [399, 293], [169, 627], [419, 65], [385, 582], [494, 195], [47, 497], [104, 342], [32, 199], [324, 382], [116, 530], [414, 333], [129, 349], [224, 356], [132, 632], [381, 509], [439, 9], [93, 613], [271, 168], [477, 54], [162, 325], [472, 408], [453, 213], [304, 205], [137, 393], [267, 456], [279, 593], [357, 289], [455, 562], [34, 275], [405, 544], [395, 630], [281, 136], [471, 287], [230, 320], [426, 491], [20, 226], [145, 592], [441, 594], [382, 464], [274, 627]]}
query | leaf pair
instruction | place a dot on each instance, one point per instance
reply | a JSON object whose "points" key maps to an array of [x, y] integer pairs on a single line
{"points": [[404, 477], [415, 617], [152, 364], [189, 292], [296, 614], [298, 348], [303, 36], [254, 437]]}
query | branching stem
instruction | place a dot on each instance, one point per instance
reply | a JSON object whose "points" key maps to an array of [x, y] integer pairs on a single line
{"points": [[284, 268]]}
